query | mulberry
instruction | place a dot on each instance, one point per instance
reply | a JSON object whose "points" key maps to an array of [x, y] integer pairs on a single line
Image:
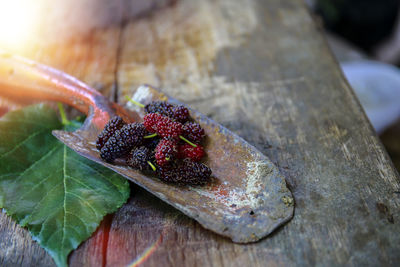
{"points": [[162, 125], [139, 158], [193, 173], [193, 132], [188, 172], [166, 151], [181, 113], [152, 143], [150, 121], [168, 173], [160, 107], [123, 141], [168, 128], [132, 134], [178, 113], [193, 153], [111, 127], [112, 149]]}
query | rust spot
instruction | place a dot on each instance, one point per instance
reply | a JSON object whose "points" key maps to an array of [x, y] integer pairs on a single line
{"points": [[220, 190]]}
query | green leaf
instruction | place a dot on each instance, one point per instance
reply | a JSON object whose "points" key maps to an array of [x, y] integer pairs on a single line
{"points": [[58, 195]]}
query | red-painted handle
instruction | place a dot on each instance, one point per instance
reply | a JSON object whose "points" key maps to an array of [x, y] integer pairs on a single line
{"points": [[25, 81]]}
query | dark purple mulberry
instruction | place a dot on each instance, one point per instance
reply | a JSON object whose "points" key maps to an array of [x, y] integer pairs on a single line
{"points": [[193, 132], [152, 143], [111, 127], [160, 107], [132, 134], [193, 173], [188, 172], [139, 158], [178, 113], [168, 173], [123, 141], [181, 113], [113, 149]]}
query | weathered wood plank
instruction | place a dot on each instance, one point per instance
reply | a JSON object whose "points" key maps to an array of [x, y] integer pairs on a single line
{"points": [[263, 69], [17, 247]]}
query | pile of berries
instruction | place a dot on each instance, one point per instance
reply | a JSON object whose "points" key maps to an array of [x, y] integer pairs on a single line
{"points": [[167, 143]]}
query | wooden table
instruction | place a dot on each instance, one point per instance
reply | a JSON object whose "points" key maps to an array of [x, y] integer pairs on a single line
{"points": [[263, 69]]}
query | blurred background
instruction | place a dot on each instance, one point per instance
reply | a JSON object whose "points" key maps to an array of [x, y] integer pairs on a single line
{"points": [[364, 35]]}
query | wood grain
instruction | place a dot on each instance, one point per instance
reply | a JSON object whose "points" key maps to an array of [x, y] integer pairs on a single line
{"points": [[263, 69]]}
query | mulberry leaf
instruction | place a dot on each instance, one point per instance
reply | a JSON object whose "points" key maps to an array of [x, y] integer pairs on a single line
{"points": [[59, 196]]}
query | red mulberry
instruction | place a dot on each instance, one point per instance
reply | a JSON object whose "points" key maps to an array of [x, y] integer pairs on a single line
{"points": [[150, 121], [188, 151], [162, 125], [166, 151], [168, 128]]}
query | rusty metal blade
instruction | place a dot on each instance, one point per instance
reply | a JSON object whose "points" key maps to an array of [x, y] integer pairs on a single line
{"points": [[248, 197]]}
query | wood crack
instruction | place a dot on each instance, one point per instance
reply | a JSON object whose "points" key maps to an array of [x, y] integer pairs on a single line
{"points": [[107, 222]]}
